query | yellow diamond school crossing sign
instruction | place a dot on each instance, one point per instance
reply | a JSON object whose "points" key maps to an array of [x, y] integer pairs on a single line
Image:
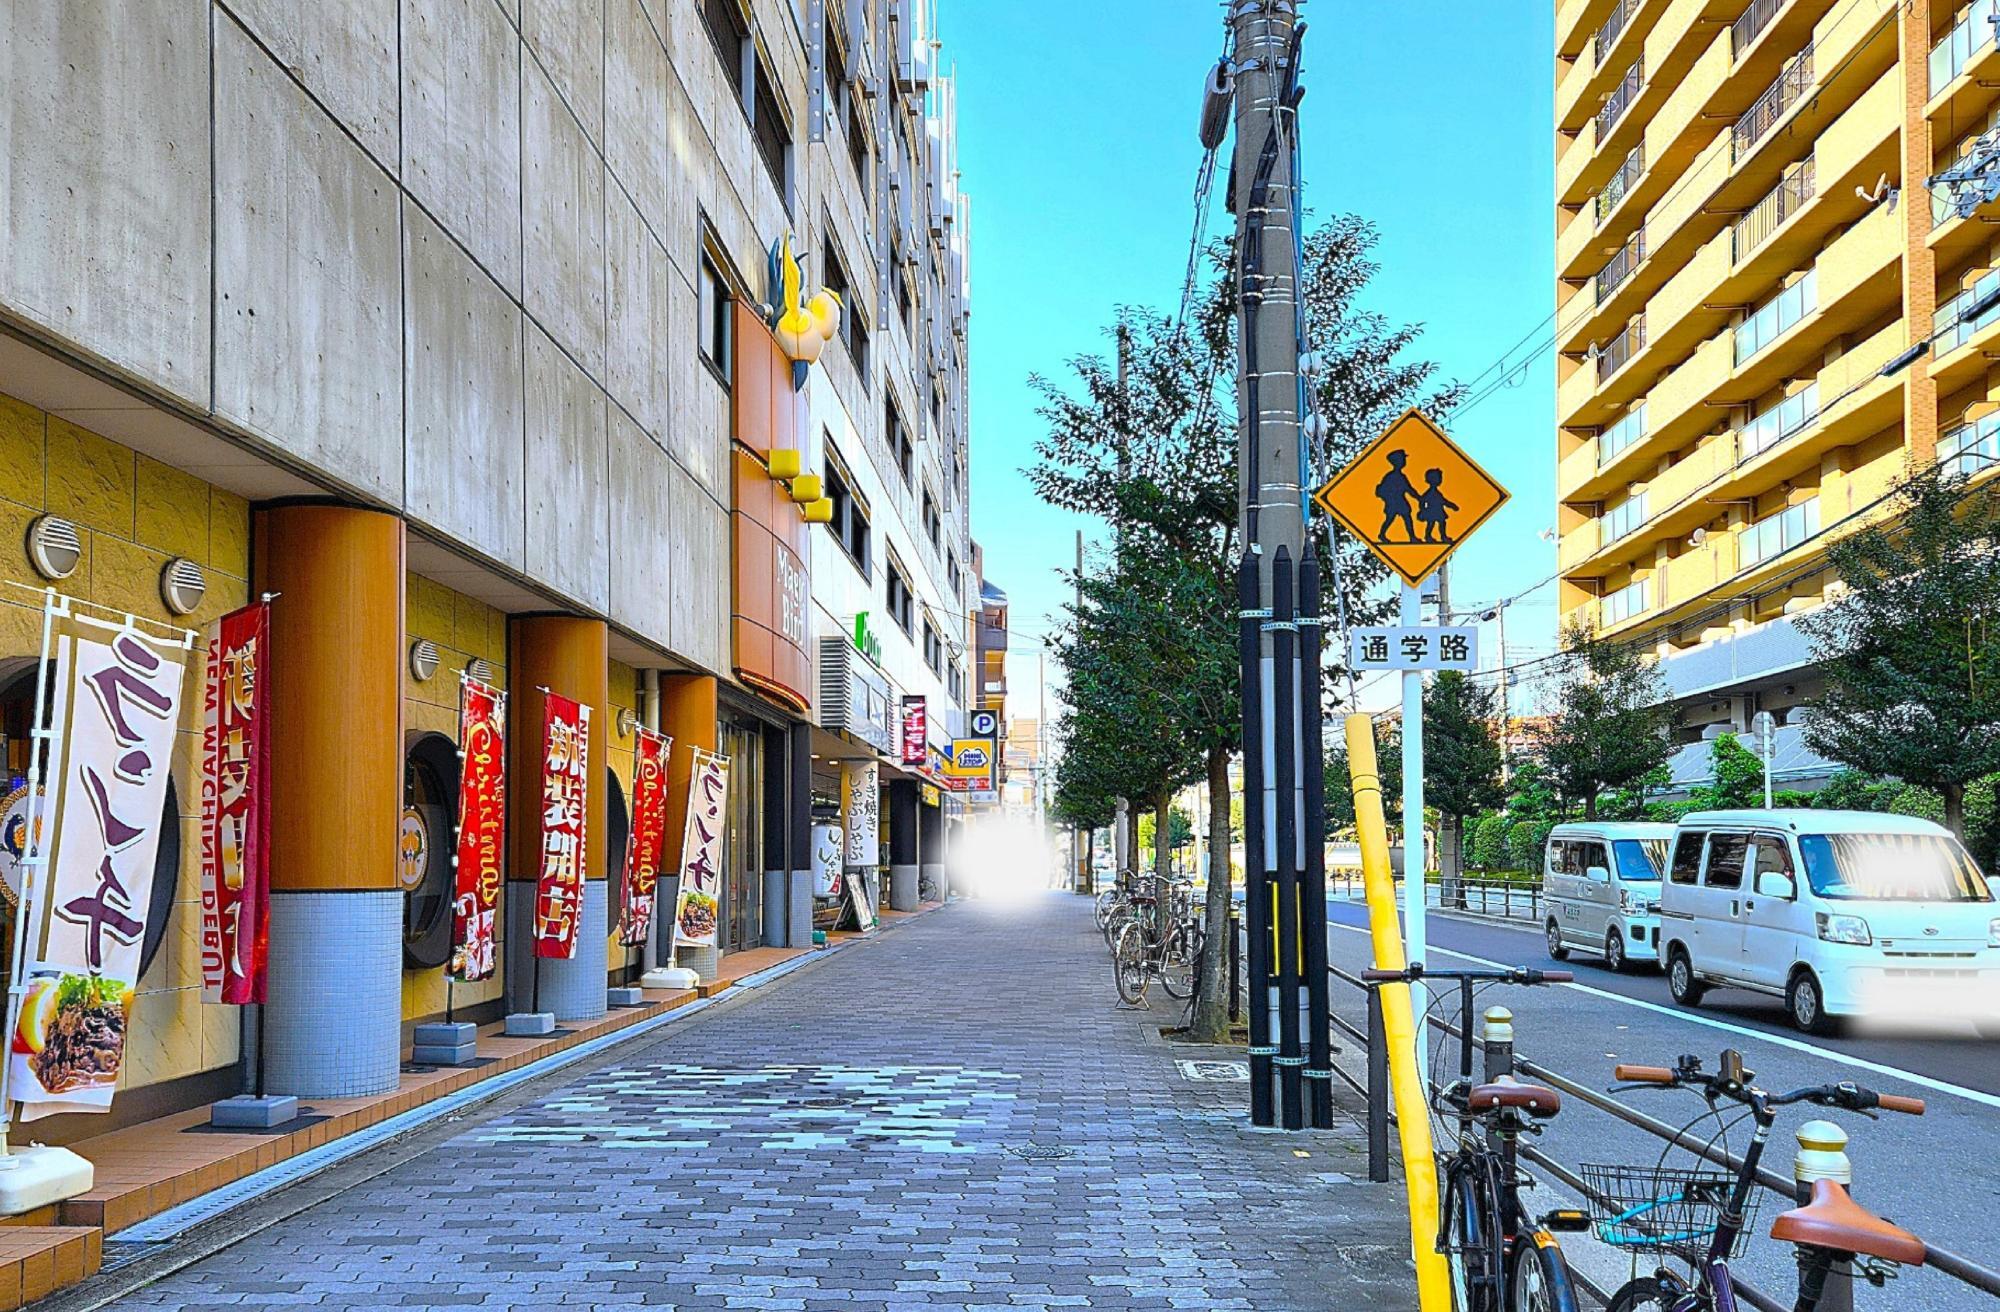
{"points": [[1412, 496]]}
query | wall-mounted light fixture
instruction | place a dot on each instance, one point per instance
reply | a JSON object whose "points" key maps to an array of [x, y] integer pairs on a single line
{"points": [[55, 548], [423, 659], [182, 585], [480, 669]]}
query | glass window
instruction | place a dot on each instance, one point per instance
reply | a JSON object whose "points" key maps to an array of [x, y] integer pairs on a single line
{"points": [[715, 328], [1631, 426], [1778, 422], [849, 524], [1776, 316], [1687, 858], [1624, 517], [726, 32], [853, 328], [774, 137], [1558, 856], [1892, 868], [901, 608], [1770, 853], [1640, 858], [1725, 860], [1591, 856], [1779, 532], [1636, 598]]}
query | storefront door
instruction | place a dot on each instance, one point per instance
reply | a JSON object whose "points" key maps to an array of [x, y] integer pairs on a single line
{"points": [[743, 839]]}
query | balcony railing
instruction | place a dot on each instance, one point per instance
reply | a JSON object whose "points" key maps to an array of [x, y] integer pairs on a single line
{"points": [[1967, 37], [1614, 25], [1621, 182], [1972, 448], [1954, 328], [1620, 349], [1620, 266], [1743, 33], [1793, 81], [1750, 231], [1621, 98]]}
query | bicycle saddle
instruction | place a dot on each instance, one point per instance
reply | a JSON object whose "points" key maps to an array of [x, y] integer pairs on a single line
{"points": [[1834, 1220], [1533, 1099]]}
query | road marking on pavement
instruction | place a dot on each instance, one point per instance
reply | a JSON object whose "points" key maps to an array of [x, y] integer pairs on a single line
{"points": [[1761, 1036]]}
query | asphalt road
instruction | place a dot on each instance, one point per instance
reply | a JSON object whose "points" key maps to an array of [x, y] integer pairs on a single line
{"points": [[1938, 1175]]}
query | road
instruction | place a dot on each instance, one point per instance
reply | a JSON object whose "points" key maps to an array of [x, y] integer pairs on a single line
{"points": [[1937, 1175]]}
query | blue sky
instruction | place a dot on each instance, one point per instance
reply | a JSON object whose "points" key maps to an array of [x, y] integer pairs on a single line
{"points": [[1077, 144]]}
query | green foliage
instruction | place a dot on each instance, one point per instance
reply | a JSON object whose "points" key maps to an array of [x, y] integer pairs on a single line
{"points": [[1911, 651], [1610, 731], [1525, 840], [1337, 793], [1461, 754], [1856, 790], [1738, 771], [1180, 829], [1489, 842]]}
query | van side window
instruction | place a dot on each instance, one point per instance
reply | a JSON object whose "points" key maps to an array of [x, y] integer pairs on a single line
{"points": [[1591, 854], [1558, 853], [1772, 854], [1725, 860], [1687, 858]]}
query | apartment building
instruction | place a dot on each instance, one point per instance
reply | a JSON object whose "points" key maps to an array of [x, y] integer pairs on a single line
{"points": [[1766, 317], [448, 322]]}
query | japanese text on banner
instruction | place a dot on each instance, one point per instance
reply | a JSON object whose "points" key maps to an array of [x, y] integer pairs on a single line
{"points": [[235, 808], [482, 827], [701, 851], [565, 785], [649, 835]]}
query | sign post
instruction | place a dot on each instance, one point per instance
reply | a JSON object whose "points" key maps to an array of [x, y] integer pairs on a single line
{"points": [[1766, 726]]}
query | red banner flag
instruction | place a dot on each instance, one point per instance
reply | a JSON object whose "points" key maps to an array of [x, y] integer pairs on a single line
{"points": [[235, 809], [649, 835], [565, 772], [482, 828]]}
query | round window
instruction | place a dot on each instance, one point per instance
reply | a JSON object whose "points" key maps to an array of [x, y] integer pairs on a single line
{"points": [[426, 838]]}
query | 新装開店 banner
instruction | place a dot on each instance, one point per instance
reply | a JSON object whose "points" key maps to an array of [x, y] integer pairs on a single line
{"points": [[235, 808], [700, 898], [482, 828], [649, 834], [565, 776], [114, 707]]}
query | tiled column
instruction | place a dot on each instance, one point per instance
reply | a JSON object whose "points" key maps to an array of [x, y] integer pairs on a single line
{"points": [[798, 819], [903, 873], [332, 1027], [689, 711], [777, 839], [565, 654]]}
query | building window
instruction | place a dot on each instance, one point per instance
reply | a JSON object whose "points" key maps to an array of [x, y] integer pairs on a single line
{"points": [[713, 333], [727, 31], [1779, 422], [850, 518], [1634, 599], [897, 438], [902, 280], [774, 138], [954, 579], [1775, 317], [1624, 517], [1778, 533], [932, 524], [1629, 429], [853, 328], [902, 603], [933, 649], [857, 142], [955, 682]]}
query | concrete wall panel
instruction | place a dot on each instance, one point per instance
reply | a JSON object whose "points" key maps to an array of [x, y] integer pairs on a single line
{"points": [[567, 474], [563, 214], [462, 126], [104, 170], [567, 38], [345, 53], [640, 338], [638, 147], [642, 530], [308, 278], [465, 458], [699, 435], [700, 548]]}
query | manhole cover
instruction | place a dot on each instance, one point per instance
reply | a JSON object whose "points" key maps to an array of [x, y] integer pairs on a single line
{"points": [[1216, 1072], [1038, 1152]]}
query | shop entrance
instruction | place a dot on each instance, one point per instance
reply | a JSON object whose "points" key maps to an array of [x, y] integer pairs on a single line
{"points": [[743, 839]]}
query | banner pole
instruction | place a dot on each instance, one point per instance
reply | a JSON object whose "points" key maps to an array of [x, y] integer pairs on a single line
{"points": [[34, 865]]}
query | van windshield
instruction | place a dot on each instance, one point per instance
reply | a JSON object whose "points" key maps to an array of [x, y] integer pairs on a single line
{"points": [[1641, 858], [1892, 868]]}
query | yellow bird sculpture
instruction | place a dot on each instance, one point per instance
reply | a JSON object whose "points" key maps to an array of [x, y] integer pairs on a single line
{"points": [[802, 328]]}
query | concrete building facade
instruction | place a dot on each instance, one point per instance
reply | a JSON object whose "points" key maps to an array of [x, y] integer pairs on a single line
{"points": [[439, 318], [1766, 317]]}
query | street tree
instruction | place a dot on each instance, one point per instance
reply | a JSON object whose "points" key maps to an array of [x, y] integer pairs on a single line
{"points": [[1612, 723], [1144, 439], [1461, 765], [1910, 649]]}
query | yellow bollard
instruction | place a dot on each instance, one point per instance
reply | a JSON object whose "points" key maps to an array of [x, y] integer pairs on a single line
{"points": [[1413, 1117]]}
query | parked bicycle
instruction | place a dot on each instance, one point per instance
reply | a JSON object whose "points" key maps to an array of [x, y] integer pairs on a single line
{"points": [[1700, 1217], [1142, 954], [1500, 1258]]}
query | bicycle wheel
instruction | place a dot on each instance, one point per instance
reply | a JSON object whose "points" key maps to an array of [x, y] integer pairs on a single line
{"points": [[1659, 1290], [1107, 901], [1541, 1278], [1181, 967], [1129, 965], [1468, 1240]]}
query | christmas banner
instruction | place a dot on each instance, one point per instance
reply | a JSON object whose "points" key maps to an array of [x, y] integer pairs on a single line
{"points": [[482, 828], [649, 835], [114, 706], [235, 808], [565, 775], [701, 851]]}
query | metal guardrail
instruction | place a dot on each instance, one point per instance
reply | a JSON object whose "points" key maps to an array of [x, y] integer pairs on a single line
{"points": [[1973, 1275], [1488, 897]]}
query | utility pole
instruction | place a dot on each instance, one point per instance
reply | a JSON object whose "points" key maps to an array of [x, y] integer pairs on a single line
{"points": [[1278, 586]]}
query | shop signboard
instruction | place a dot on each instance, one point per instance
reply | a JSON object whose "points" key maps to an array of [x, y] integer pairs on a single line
{"points": [[916, 730], [235, 808], [649, 834], [861, 811], [701, 851], [114, 705], [482, 828], [565, 776], [969, 768], [829, 845]]}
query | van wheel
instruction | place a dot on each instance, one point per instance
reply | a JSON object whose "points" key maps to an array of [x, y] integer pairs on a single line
{"points": [[1614, 950], [1681, 981], [1808, 1006], [1556, 948]]}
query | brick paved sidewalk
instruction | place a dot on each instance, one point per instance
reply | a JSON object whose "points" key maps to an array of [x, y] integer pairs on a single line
{"points": [[952, 1115]]}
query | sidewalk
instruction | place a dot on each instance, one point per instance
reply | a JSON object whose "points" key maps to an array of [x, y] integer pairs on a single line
{"points": [[953, 1115]]}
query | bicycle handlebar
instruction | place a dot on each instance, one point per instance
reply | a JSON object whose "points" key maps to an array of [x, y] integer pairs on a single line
{"points": [[1642, 1074], [1510, 975], [1733, 1084]]}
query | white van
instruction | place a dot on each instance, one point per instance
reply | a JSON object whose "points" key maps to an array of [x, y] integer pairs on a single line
{"points": [[1840, 913], [1601, 890]]}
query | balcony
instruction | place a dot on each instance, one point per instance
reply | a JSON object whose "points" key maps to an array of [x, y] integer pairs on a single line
{"points": [[1578, 545], [1750, 24], [1621, 183], [1768, 109], [1971, 449], [1750, 231], [1576, 22], [1963, 344], [1575, 469], [1622, 95], [991, 637], [1608, 32], [1864, 258], [1969, 38], [1618, 352], [1573, 163], [1679, 310], [1619, 267], [1696, 572]]}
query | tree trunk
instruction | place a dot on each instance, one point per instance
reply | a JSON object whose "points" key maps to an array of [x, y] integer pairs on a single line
{"points": [[1590, 805], [1211, 1013], [1954, 809], [1448, 865], [1163, 863]]}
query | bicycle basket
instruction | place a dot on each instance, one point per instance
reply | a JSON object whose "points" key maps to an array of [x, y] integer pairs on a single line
{"points": [[1650, 1209]]}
